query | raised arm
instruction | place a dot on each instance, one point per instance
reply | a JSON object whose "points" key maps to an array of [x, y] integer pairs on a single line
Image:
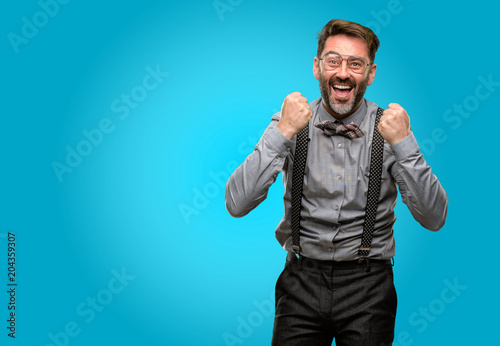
{"points": [[247, 187], [419, 187]]}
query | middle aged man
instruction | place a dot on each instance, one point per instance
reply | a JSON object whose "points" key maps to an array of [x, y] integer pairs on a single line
{"points": [[341, 171]]}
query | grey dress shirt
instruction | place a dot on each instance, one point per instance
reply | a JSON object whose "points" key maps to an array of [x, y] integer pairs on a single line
{"points": [[335, 187]]}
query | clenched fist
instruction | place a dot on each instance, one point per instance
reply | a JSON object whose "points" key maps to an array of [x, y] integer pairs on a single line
{"points": [[295, 114], [394, 125]]}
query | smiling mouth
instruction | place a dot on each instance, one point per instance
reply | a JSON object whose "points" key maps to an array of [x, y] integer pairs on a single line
{"points": [[341, 91]]}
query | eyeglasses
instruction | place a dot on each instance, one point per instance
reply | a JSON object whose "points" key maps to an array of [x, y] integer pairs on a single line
{"points": [[332, 61]]}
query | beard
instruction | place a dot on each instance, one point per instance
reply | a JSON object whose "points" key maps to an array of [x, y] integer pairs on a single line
{"points": [[340, 106]]}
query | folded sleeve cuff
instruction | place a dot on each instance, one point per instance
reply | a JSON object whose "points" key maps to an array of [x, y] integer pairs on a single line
{"points": [[403, 149], [278, 142]]}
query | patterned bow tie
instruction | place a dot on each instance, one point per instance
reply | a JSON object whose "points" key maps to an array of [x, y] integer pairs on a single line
{"points": [[332, 128]]}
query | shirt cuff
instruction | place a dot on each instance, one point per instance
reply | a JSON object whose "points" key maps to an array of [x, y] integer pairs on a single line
{"points": [[406, 147], [278, 142]]}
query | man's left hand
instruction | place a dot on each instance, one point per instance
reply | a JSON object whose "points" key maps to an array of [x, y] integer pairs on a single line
{"points": [[394, 125]]}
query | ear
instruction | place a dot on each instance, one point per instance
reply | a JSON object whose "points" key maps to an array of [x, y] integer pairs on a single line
{"points": [[316, 67], [371, 74]]}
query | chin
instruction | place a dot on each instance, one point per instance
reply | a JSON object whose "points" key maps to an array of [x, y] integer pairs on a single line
{"points": [[341, 108]]}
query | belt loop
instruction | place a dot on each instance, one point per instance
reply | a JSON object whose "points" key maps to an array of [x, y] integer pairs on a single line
{"points": [[367, 264], [392, 260]]}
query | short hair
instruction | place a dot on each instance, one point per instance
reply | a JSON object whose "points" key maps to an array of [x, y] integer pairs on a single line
{"points": [[344, 27]]}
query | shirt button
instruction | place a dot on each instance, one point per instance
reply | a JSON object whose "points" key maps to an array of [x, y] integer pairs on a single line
{"points": [[336, 207], [330, 249], [288, 149], [339, 145], [339, 177]]}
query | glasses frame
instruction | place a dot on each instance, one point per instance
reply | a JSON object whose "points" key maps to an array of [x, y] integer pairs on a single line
{"points": [[347, 60]]}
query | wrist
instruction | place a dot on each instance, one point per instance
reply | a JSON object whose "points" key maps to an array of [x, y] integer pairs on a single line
{"points": [[286, 131], [398, 139]]}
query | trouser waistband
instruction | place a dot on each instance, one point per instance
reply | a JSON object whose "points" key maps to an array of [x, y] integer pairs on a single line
{"points": [[310, 263]]}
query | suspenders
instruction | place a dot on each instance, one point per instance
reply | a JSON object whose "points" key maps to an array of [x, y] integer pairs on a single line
{"points": [[299, 165]]}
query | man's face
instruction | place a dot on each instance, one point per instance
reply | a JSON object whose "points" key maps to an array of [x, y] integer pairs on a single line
{"points": [[341, 89]]}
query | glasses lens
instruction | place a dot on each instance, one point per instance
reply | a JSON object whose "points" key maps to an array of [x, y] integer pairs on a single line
{"points": [[356, 64], [332, 61]]}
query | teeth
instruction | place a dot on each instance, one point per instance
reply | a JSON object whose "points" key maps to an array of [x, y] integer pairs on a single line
{"points": [[342, 86]]}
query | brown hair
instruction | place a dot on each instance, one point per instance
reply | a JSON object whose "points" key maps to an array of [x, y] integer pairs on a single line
{"points": [[344, 27]]}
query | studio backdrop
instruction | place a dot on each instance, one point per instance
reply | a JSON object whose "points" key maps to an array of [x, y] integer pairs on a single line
{"points": [[122, 121]]}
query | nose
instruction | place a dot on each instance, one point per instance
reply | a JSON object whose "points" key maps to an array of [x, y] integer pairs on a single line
{"points": [[343, 71]]}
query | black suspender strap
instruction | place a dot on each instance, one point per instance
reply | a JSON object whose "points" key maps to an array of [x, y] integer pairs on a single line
{"points": [[299, 165], [376, 159]]}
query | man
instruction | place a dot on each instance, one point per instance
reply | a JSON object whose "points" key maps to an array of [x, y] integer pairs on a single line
{"points": [[336, 282]]}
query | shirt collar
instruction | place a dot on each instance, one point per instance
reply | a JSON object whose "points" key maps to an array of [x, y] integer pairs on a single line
{"points": [[356, 117]]}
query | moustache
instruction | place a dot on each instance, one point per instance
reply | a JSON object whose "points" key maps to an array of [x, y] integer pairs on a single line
{"points": [[336, 80]]}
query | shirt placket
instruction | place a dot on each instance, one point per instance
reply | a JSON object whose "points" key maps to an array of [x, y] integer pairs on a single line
{"points": [[339, 185]]}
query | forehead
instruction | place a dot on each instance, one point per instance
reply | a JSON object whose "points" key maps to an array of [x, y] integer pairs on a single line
{"points": [[346, 45]]}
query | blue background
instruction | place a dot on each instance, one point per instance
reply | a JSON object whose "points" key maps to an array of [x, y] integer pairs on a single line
{"points": [[147, 199]]}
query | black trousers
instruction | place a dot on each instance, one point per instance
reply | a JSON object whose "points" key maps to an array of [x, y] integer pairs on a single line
{"points": [[317, 301]]}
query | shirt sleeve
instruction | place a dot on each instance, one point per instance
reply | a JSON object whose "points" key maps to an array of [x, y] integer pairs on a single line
{"points": [[248, 186], [420, 189]]}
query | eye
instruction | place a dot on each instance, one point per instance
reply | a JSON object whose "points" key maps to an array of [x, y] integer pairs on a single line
{"points": [[355, 63]]}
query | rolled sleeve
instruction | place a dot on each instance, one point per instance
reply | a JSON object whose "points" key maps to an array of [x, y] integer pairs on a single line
{"points": [[247, 187], [419, 187], [403, 149], [278, 142]]}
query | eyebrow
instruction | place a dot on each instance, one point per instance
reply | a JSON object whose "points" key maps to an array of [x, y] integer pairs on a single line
{"points": [[333, 52]]}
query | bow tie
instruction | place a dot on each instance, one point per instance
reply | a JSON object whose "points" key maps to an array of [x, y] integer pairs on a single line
{"points": [[332, 128]]}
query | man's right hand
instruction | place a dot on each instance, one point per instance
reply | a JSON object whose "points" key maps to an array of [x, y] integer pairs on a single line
{"points": [[295, 114]]}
